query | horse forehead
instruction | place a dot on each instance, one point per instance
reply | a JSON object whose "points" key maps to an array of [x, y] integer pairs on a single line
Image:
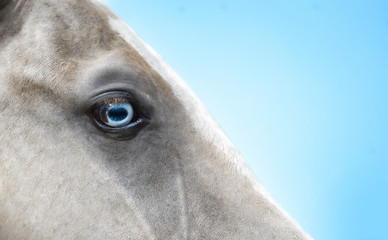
{"points": [[67, 37], [66, 33]]}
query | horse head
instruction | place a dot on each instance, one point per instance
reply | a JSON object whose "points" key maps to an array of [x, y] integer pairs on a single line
{"points": [[100, 139]]}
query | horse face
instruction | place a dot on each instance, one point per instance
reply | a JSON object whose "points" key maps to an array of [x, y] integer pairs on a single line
{"points": [[73, 167]]}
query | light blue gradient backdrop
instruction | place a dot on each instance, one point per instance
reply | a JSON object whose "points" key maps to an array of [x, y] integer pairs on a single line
{"points": [[300, 87]]}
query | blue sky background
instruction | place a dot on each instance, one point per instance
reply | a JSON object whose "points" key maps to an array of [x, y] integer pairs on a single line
{"points": [[300, 87]]}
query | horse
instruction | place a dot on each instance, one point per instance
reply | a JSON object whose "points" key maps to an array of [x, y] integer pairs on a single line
{"points": [[100, 139]]}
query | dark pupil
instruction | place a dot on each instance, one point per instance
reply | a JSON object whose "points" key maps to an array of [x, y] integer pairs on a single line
{"points": [[117, 114]]}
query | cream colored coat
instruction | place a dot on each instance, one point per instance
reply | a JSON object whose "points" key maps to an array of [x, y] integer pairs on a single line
{"points": [[61, 177]]}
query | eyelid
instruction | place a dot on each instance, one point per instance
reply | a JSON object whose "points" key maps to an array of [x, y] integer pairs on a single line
{"points": [[112, 100], [110, 96]]}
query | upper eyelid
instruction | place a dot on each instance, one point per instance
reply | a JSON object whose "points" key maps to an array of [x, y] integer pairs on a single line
{"points": [[110, 95], [113, 100]]}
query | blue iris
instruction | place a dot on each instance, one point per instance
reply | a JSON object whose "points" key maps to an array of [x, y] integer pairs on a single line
{"points": [[117, 114]]}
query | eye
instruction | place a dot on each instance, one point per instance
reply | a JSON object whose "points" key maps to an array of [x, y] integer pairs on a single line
{"points": [[117, 112]]}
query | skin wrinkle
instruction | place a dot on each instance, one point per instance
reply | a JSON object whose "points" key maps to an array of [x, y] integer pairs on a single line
{"points": [[183, 201], [62, 178]]}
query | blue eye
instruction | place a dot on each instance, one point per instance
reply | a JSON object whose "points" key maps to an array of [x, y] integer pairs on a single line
{"points": [[119, 114], [116, 114]]}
